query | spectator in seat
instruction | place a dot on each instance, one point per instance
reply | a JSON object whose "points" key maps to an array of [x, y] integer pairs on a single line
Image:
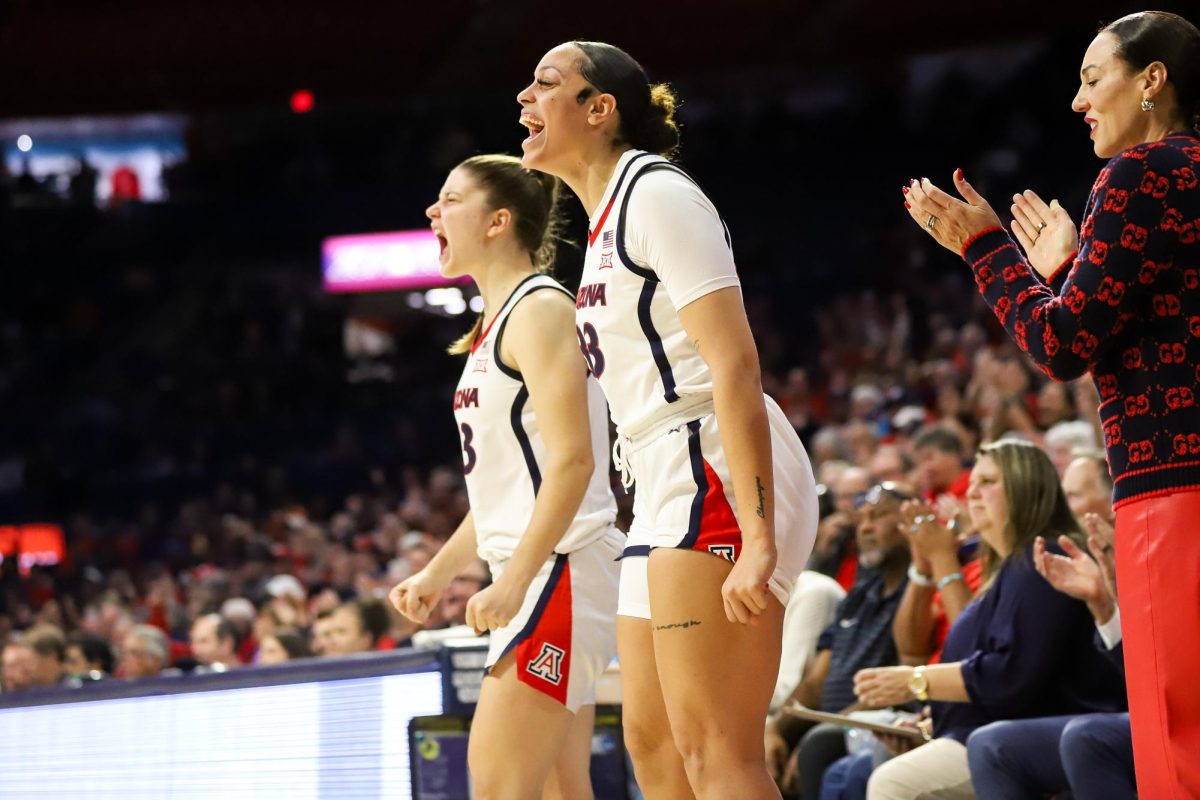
{"points": [[89, 657], [1065, 439], [282, 645], [811, 608], [860, 636], [214, 643], [144, 652], [940, 463], [465, 585], [1019, 650], [1054, 405], [322, 627], [18, 664], [1088, 486], [890, 463], [833, 552], [1094, 752], [357, 627], [49, 647]]}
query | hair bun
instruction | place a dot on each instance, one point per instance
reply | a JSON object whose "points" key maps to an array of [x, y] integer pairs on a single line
{"points": [[658, 131]]}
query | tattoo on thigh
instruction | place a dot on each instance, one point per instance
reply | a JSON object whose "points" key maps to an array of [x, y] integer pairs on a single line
{"points": [[762, 498], [691, 623]]}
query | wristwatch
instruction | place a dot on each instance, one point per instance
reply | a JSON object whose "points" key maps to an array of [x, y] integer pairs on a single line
{"points": [[918, 684]]}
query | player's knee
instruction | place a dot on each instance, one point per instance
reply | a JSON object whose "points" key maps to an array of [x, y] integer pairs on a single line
{"points": [[574, 786], [488, 780], [643, 739], [706, 750]]}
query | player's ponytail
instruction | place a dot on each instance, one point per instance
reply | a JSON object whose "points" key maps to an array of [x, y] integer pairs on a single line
{"points": [[647, 113], [532, 199], [551, 229]]}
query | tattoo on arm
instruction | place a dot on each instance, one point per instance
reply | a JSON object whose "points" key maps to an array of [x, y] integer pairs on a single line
{"points": [[762, 501], [691, 623]]}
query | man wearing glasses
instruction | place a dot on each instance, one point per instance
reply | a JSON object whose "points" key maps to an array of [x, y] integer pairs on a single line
{"points": [[859, 637]]}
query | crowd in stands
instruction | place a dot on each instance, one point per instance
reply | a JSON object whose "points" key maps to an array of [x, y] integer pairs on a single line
{"points": [[231, 499], [961, 587], [901, 576]]}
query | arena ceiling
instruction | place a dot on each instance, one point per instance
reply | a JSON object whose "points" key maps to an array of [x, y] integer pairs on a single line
{"points": [[91, 56]]}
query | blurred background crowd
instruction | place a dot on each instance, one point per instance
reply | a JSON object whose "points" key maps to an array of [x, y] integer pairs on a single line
{"points": [[243, 464], [239, 483]]}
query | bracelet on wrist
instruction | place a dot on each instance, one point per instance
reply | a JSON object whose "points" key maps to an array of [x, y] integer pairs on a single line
{"points": [[919, 578], [949, 579]]}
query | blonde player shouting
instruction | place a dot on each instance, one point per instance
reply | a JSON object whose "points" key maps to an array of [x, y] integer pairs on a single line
{"points": [[542, 514], [725, 508]]}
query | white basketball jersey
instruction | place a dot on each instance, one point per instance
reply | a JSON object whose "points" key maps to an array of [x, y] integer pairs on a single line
{"points": [[656, 243], [504, 457]]}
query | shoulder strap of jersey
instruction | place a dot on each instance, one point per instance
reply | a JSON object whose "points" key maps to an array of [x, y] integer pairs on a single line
{"points": [[622, 253], [524, 289]]}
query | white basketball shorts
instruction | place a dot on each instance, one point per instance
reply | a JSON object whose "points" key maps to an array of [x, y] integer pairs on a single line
{"points": [[684, 499], [565, 634]]}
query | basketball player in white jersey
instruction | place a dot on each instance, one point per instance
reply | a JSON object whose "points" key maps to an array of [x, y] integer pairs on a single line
{"points": [[725, 508], [534, 432]]}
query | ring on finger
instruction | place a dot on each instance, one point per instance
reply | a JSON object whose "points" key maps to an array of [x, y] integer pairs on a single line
{"points": [[1038, 228], [929, 223]]}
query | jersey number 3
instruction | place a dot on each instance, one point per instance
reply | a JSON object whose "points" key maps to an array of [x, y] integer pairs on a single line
{"points": [[469, 458], [589, 343]]}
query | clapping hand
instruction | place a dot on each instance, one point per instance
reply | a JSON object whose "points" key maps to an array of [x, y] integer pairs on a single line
{"points": [[1045, 232], [1100, 545], [927, 536], [950, 221], [1076, 574]]}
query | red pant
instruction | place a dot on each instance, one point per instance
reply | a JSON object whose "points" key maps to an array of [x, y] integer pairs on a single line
{"points": [[1158, 579]]}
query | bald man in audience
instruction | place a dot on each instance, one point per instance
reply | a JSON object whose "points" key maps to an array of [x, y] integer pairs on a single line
{"points": [[1088, 487]]}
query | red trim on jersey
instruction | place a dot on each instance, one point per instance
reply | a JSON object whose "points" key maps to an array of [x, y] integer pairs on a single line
{"points": [[485, 333], [603, 217], [718, 525], [546, 653]]}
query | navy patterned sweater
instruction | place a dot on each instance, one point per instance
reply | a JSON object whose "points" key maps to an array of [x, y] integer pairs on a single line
{"points": [[1125, 308]]}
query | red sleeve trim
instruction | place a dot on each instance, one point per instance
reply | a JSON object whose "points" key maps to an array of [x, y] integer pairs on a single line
{"points": [[1058, 270], [979, 236], [1009, 245]]}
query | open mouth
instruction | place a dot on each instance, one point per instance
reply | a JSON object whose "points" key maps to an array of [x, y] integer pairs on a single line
{"points": [[442, 244], [535, 126]]}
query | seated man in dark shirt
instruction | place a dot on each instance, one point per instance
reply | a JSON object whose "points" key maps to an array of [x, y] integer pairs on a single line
{"points": [[859, 637]]}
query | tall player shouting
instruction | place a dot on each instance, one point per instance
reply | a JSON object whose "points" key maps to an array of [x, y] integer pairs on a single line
{"points": [[725, 511], [541, 515]]}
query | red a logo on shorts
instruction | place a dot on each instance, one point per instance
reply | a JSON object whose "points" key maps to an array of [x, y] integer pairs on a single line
{"points": [[725, 551], [548, 664]]}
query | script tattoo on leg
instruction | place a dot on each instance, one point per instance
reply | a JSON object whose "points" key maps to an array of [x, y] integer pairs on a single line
{"points": [[691, 623]]}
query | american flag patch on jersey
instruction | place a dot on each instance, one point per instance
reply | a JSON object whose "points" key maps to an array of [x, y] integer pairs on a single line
{"points": [[607, 239]]}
